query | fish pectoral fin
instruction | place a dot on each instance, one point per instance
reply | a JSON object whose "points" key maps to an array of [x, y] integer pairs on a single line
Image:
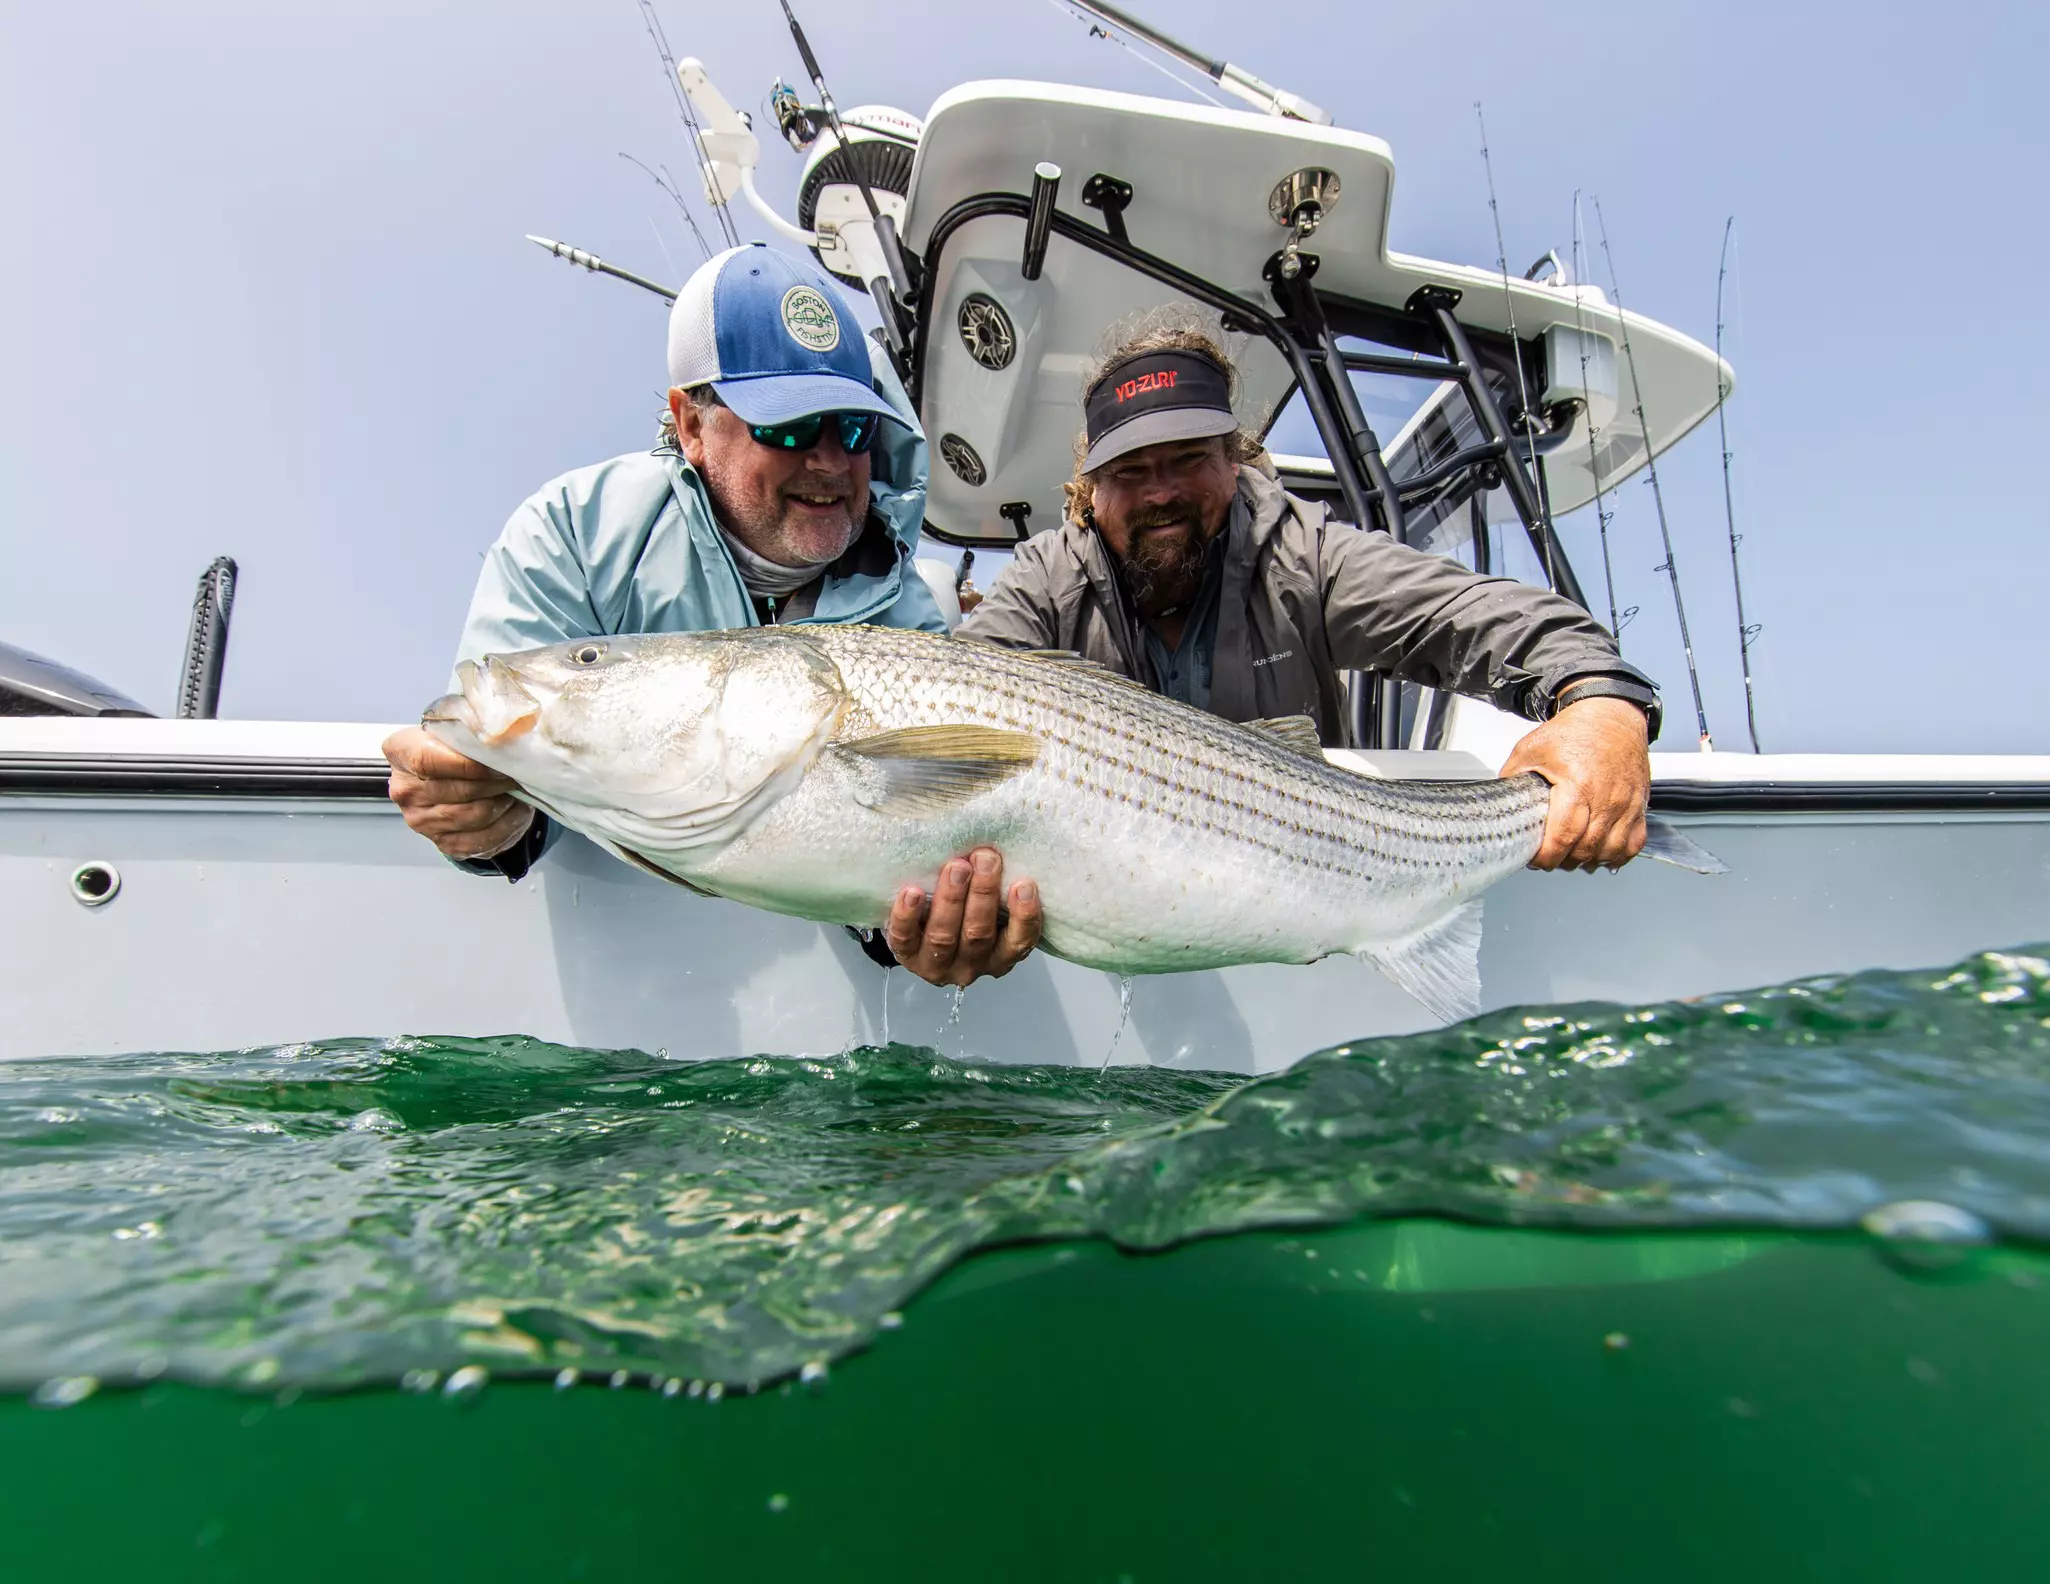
{"points": [[923, 770], [659, 872], [627, 855], [1667, 845], [1297, 733], [1440, 964]]}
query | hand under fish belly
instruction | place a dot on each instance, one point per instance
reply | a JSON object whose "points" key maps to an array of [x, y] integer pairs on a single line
{"points": [[814, 771]]}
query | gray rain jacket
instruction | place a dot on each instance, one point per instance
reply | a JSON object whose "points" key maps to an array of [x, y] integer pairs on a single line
{"points": [[1304, 599]]}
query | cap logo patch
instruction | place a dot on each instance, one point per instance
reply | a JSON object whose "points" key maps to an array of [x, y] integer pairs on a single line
{"points": [[1164, 379], [810, 319]]}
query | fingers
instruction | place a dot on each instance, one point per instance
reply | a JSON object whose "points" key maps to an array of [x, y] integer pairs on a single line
{"points": [[416, 753], [491, 839], [1021, 931], [466, 809], [1565, 825], [962, 934]]}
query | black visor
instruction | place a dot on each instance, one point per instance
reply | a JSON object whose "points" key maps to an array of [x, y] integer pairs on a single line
{"points": [[1155, 397]]}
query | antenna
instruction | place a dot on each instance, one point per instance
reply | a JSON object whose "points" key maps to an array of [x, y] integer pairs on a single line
{"points": [[885, 227], [1722, 391], [1602, 514], [1672, 566], [1515, 345], [690, 120]]}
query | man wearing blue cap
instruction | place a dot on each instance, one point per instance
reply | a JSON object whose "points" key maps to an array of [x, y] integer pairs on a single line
{"points": [[789, 487]]}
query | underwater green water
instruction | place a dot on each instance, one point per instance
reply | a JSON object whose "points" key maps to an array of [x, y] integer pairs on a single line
{"points": [[1579, 1292]]}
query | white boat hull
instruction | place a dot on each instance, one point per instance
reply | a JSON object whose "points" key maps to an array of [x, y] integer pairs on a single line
{"points": [[246, 917]]}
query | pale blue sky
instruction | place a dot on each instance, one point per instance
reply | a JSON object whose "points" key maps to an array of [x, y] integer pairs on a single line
{"points": [[266, 294]]}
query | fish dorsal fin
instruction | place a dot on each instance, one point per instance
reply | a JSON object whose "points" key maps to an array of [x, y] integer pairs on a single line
{"points": [[922, 770], [1297, 733], [1440, 964], [1082, 662]]}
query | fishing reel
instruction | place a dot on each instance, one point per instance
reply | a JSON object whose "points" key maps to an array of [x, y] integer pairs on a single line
{"points": [[881, 144]]}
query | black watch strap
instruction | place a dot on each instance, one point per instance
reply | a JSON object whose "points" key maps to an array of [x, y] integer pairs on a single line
{"points": [[1637, 693]]}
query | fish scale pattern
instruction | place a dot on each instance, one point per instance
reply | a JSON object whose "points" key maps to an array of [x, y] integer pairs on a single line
{"points": [[1110, 739], [1164, 838]]}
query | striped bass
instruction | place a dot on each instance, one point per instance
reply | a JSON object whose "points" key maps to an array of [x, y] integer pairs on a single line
{"points": [[815, 770]]}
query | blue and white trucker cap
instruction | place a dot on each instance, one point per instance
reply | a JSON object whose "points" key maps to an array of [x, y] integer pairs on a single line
{"points": [[773, 337]]}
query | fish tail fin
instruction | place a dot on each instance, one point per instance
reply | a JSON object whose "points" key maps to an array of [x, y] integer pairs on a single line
{"points": [[1667, 845], [1440, 964]]}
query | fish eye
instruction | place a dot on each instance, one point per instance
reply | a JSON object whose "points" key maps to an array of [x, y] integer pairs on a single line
{"points": [[589, 655]]}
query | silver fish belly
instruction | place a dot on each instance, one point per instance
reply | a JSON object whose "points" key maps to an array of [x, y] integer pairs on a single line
{"points": [[816, 770]]}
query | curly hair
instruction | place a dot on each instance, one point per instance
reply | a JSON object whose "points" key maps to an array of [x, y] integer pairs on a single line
{"points": [[1171, 327]]}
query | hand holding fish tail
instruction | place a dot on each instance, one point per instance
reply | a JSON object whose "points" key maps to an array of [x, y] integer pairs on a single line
{"points": [[466, 809], [1593, 754], [962, 933]]}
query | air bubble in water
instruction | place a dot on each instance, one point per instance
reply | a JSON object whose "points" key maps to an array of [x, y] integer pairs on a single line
{"points": [[673, 1386], [65, 1391], [619, 1379], [1926, 1237], [714, 1392], [890, 1320], [419, 1380], [467, 1384], [813, 1375], [1617, 1341], [697, 1388], [566, 1378], [779, 1503]]}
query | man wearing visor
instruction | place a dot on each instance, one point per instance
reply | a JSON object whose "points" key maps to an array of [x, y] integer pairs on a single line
{"points": [[1184, 566], [789, 486]]}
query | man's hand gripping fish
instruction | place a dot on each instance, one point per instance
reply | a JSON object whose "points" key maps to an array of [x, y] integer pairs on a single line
{"points": [[816, 770]]}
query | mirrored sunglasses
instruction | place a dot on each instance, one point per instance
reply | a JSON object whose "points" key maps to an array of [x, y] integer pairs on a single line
{"points": [[857, 432]]}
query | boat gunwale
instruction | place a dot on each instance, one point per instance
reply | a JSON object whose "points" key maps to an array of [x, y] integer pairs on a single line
{"points": [[42, 775]]}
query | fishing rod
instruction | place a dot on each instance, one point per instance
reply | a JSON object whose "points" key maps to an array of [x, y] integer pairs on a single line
{"points": [[891, 302], [1745, 633], [653, 24], [597, 266], [1672, 565], [1515, 346], [1098, 29], [668, 185], [1602, 514], [1232, 79]]}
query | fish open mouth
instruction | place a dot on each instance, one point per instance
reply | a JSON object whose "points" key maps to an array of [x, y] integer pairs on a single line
{"points": [[492, 707]]}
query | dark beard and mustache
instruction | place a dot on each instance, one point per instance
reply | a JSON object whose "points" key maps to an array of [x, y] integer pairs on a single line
{"points": [[1164, 570]]}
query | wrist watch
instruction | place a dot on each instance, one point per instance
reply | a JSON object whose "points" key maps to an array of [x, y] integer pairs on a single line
{"points": [[1645, 698]]}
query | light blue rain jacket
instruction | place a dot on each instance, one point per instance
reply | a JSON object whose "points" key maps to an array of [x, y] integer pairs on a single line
{"points": [[630, 546]]}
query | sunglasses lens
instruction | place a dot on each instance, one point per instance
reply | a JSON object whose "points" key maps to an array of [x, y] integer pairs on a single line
{"points": [[857, 432], [800, 434]]}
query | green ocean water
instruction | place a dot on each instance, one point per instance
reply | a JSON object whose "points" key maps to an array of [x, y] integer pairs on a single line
{"points": [[1579, 1292]]}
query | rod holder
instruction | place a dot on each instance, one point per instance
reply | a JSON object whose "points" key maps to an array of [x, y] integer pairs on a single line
{"points": [[206, 643], [1046, 186]]}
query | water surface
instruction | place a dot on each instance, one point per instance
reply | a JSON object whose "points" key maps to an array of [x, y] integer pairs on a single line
{"points": [[355, 1212]]}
